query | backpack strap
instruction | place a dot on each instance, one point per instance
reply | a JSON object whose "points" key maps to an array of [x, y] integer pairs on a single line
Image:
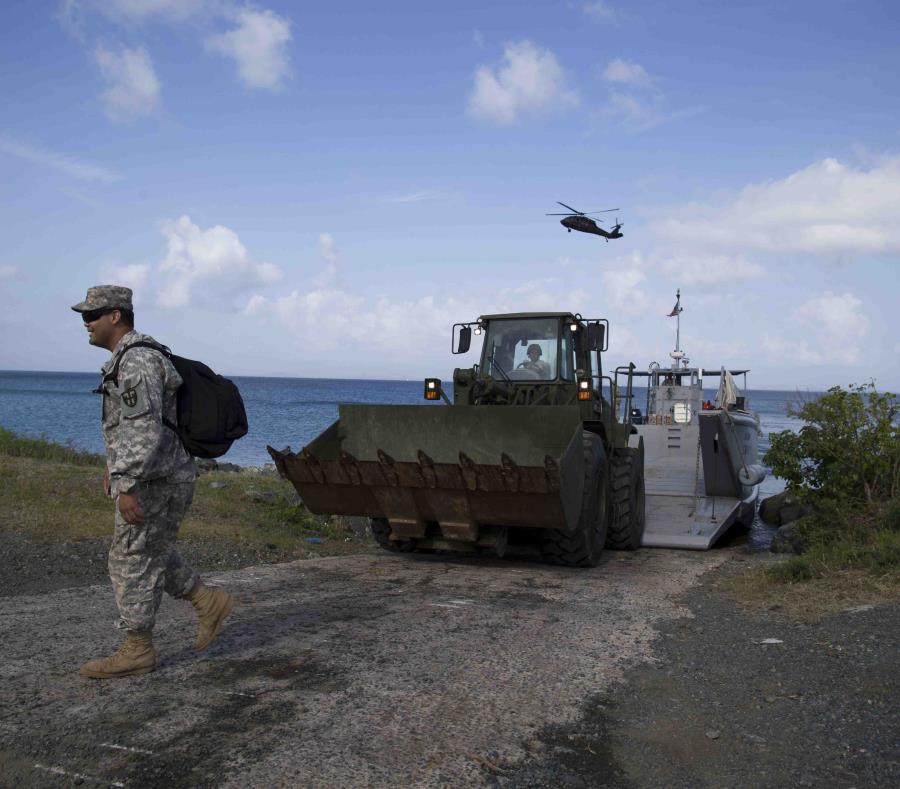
{"points": [[114, 375]]}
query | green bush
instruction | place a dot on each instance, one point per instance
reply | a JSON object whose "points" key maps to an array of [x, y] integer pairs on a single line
{"points": [[845, 536], [892, 518], [848, 450]]}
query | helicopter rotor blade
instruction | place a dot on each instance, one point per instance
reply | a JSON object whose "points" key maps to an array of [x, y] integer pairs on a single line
{"points": [[557, 214], [570, 208], [604, 211]]}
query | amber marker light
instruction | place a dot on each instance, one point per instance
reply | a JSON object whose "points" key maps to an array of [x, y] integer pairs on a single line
{"points": [[432, 388], [584, 390]]}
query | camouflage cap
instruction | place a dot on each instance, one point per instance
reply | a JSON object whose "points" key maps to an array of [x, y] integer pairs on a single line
{"points": [[105, 297]]}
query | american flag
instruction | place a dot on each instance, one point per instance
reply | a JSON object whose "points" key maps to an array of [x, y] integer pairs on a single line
{"points": [[677, 308]]}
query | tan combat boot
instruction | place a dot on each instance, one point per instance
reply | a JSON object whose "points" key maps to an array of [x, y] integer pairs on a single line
{"points": [[135, 656], [212, 606]]}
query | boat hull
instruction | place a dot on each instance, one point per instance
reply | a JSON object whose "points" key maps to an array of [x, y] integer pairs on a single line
{"points": [[729, 442]]}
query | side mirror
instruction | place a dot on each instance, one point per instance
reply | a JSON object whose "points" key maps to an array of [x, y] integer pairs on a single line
{"points": [[463, 340], [595, 336]]}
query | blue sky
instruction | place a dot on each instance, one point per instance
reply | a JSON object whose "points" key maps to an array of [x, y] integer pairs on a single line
{"points": [[323, 189]]}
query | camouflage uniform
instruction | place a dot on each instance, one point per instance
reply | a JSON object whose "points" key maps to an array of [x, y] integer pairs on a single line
{"points": [[146, 458]]}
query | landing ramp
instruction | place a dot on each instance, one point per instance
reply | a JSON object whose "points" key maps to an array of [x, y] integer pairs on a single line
{"points": [[678, 513]]}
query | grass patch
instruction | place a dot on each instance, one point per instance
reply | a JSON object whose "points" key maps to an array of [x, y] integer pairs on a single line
{"points": [[14, 445], [853, 558], [52, 492]]}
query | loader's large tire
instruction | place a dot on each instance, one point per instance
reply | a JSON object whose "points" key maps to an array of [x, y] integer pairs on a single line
{"points": [[627, 520], [583, 545], [381, 531]]}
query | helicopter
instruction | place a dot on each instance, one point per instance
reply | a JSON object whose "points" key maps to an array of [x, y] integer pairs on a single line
{"points": [[579, 220]]}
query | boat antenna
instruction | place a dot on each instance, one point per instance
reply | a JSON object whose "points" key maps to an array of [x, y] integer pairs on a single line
{"points": [[677, 354]]}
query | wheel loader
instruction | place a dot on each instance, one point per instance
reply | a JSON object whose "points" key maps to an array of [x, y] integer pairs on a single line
{"points": [[528, 450]]}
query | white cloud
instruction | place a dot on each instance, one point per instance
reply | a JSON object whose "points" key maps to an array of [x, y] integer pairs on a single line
{"points": [[142, 10], [73, 13], [600, 10], [329, 253], [838, 316], [208, 266], [322, 319], [636, 113], [625, 72], [255, 304], [635, 101], [413, 197], [377, 322], [827, 210], [328, 249], [133, 90], [711, 270], [258, 45], [529, 81], [828, 328], [621, 285], [83, 171], [134, 276]]}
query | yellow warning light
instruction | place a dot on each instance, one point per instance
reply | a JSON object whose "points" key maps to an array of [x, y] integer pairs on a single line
{"points": [[432, 388]]}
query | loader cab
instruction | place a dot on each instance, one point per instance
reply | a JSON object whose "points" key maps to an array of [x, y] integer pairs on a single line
{"points": [[530, 348]]}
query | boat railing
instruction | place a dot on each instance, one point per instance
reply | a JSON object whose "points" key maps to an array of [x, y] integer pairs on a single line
{"points": [[625, 414]]}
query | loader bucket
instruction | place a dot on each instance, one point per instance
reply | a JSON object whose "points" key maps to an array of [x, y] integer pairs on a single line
{"points": [[459, 468]]}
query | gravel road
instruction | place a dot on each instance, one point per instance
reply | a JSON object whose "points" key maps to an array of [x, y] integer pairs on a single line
{"points": [[386, 670], [367, 670]]}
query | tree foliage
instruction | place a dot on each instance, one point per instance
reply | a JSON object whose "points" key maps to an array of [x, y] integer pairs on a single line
{"points": [[849, 448]]}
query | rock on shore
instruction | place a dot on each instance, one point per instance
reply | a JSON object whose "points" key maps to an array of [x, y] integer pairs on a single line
{"points": [[782, 508]]}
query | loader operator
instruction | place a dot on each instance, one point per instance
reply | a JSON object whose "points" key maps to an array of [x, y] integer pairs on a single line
{"points": [[534, 362]]}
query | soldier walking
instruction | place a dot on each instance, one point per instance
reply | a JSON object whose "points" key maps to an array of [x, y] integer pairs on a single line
{"points": [[151, 477]]}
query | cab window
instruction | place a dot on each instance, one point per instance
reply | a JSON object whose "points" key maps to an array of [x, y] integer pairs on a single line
{"points": [[522, 349], [566, 356]]}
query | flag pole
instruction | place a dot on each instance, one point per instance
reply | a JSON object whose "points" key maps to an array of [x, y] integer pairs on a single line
{"points": [[678, 320], [677, 354]]}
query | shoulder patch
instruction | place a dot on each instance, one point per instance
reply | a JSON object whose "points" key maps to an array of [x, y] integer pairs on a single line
{"points": [[135, 401]]}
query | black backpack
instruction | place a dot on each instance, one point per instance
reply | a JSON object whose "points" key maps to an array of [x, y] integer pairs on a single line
{"points": [[210, 409]]}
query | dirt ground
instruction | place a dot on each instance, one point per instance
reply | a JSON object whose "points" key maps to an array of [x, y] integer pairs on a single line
{"points": [[386, 670]]}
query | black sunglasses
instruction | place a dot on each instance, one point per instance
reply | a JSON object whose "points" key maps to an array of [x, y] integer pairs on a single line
{"points": [[89, 316]]}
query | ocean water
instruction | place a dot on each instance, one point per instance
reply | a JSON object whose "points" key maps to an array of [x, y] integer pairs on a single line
{"points": [[281, 411], [285, 411]]}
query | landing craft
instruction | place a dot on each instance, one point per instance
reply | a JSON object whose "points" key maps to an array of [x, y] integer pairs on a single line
{"points": [[579, 220]]}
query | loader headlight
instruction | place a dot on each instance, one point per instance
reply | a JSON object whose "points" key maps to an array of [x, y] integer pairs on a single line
{"points": [[584, 390], [477, 330], [432, 388], [573, 327]]}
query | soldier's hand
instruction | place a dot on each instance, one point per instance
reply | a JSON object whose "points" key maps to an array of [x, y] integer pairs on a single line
{"points": [[106, 482], [130, 508]]}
